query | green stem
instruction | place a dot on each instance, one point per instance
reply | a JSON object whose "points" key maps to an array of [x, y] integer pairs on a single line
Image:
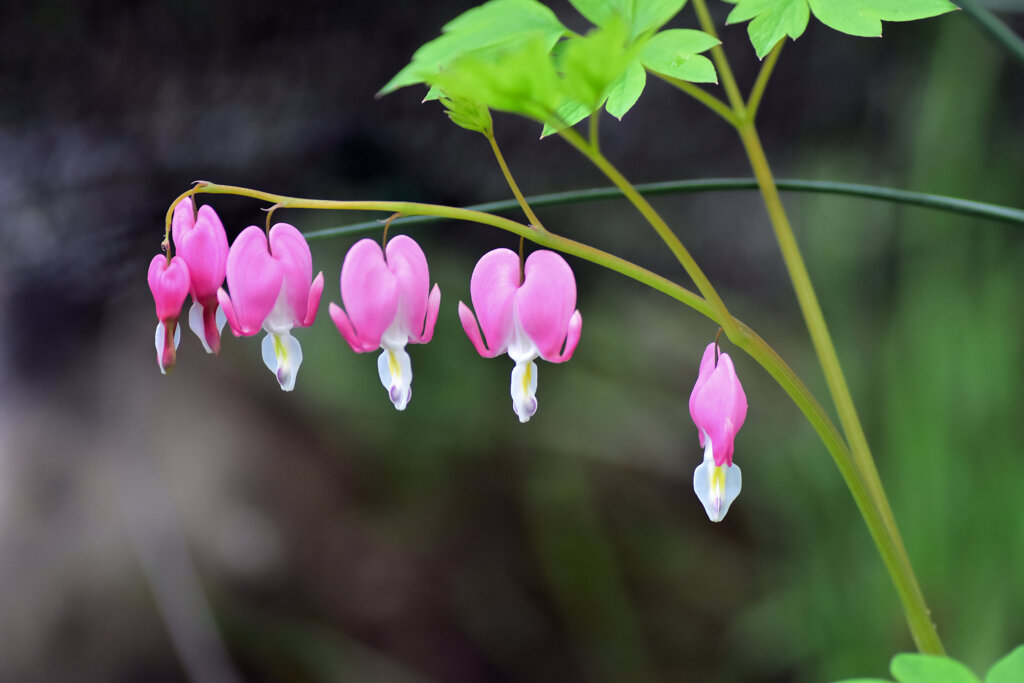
{"points": [[732, 91], [530, 215], [932, 201], [744, 337], [704, 285], [868, 492], [757, 92], [995, 27], [701, 95]]}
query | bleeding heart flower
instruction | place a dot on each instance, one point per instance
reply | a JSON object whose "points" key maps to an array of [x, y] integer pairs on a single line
{"points": [[718, 407], [271, 289], [169, 284], [203, 244], [528, 318], [388, 306]]}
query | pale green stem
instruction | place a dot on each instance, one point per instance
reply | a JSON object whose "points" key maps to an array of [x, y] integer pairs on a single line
{"points": [[525, 205], [701, 95], [757, 92], [704, 285], [744, 337], [874, 505]]}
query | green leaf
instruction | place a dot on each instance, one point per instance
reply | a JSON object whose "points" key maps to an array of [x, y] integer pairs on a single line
{"points": [[638, 15], [1009, 669], [590, 64], [522, 81], [600, 12], [915, 668], [773, 20], [624, 93], [674, 53], [653, 14], [492, 28], [865, 17], [567, 115], [859, 680]]}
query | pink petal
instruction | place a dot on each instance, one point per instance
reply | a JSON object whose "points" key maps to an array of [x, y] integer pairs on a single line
{"points": [[571, 340], [169, 285], [290, 249], [546, 301], [707, 366], [313, 303], [473, 332], [407, 263], [254, 280], [348, 332], [433, 305], [720, 408], [183, 219], [229, 312], [493, 289], [204, 246], [369, 292]]}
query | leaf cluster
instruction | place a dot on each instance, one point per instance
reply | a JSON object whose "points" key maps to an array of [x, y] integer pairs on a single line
{"points": [[517, 56], [773, 20]]}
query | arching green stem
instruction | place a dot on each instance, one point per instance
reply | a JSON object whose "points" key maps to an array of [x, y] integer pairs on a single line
{"points": [[878, 514]]}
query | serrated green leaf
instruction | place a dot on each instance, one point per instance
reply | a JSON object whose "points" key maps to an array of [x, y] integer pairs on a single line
{"points": [[865, 17], [494, 27], [1009, 669], [591, 63], [624, 93], [859, 680], [567, 115], [653, 14], [522, 81], [674, 53], [772, 20], [915, 668]]}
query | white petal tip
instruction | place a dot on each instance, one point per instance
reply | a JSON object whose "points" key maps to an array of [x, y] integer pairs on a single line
{"points": [[717, 487], [282, 354]]}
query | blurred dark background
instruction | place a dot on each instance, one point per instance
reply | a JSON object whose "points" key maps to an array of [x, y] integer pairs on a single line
{"points": [[206, 526]]}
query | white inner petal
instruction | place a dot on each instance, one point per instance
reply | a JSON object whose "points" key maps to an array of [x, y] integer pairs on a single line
{"points": [[716, 487], [281, 319], [395, 369], [282, 354], [195, 323], [524, 390]]}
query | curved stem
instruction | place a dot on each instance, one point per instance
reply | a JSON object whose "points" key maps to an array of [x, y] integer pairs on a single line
{"points": [[877, 514], [701, 95], [732, 90], [704, 285], [757, 92], [530, 215], [743, 336]]}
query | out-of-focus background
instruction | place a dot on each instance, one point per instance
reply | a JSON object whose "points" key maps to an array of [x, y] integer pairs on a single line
{"points": [[206, 526]]}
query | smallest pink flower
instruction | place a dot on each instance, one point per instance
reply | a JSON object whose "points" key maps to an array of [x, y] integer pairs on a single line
{"points": [[718, 407], [169, 284], [202, 242], [390, 304]]}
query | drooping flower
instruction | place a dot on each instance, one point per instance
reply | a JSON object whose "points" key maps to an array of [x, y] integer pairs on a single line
{"points": [[203, 244], [718, 407], [271, 289], [169, 284], [388, 306], [529, 317]]}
